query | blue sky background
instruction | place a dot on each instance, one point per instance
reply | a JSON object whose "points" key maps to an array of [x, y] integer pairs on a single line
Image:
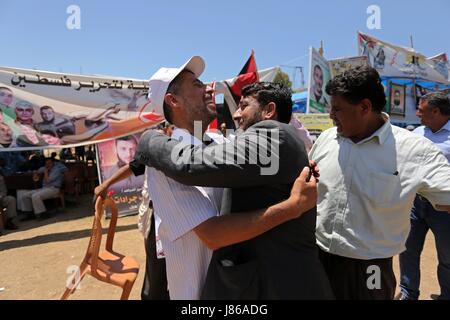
{"points": [[134, 38]]}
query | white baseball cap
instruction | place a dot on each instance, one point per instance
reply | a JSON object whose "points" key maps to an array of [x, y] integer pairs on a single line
{"points": [[160, 81]]}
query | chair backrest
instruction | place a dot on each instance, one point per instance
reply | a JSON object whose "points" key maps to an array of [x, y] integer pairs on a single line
{"points": [[79, 168], [70, 182], [96, 234], [91, 172]]}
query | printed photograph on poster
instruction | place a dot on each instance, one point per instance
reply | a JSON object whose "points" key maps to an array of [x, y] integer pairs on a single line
{"points": [[39, 109], [397, 99], [419, 92], [339, 66], [318, 100], [112, 156]]}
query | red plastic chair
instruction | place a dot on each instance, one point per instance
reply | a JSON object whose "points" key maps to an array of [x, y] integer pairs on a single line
{"points": [[107, 266]]}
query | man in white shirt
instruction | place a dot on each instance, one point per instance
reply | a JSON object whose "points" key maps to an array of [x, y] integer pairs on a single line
{"points": [[434, 112], [370, 174]]}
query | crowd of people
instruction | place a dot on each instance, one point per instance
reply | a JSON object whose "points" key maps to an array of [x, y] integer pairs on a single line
{"points": [[229, 231], [262, 213]]}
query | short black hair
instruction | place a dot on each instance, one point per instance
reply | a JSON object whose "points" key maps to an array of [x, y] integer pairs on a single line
{"points": [[438, 100], [128, 138], [359, 83], [266, 92], [317, 67], [49, 132], [46, 107]]}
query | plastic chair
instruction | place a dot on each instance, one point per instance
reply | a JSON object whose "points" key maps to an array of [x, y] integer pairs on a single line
{"points": [[107, 266]]}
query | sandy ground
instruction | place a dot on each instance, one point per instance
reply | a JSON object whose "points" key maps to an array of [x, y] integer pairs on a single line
{"points": [[35, 261]]}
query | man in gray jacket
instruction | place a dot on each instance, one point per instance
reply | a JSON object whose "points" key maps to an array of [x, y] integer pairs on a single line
{"points": [[259, 168]]}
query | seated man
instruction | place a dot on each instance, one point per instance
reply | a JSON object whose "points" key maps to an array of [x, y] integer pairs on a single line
{"points": [[33, 200]]}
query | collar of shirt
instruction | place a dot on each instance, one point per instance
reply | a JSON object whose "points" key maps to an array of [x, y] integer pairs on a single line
{"points": [[381, 134], [424, 129], [444, 127]]}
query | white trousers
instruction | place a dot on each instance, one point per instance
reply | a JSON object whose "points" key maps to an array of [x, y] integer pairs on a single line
{"points": [[33, 200]]}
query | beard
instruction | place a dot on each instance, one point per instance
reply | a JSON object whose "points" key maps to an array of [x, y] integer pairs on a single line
{"points": [[247, 123]]}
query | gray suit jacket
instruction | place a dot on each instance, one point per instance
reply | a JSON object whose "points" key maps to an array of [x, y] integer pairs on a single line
{"points": [[259, 168]]}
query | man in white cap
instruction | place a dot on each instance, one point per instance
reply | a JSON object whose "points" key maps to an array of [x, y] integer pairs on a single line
{"points": [[258, 169], [190, 225]]}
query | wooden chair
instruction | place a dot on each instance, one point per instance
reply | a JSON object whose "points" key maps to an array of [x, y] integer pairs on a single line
{"points": [[71, 184], [60, 197], [107, 266], [91, 177]]}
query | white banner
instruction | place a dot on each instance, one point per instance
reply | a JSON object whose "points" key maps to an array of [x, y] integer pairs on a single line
{"points": [[396, 61], [47, 110]]}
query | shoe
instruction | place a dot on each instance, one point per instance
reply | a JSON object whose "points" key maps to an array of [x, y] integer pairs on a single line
{"points": [[435, 296], [9, 225]]}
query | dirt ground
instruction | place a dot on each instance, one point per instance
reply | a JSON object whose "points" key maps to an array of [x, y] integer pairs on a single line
{"points": [[35, 261]]}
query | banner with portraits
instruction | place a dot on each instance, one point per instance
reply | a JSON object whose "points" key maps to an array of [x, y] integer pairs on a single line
{"points": [[112, 156], [400, 62], [318, 99], [441, 64], [51, 110]]}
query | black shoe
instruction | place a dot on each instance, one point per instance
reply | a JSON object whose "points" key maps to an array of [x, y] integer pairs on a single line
{"points": [[9, 225]]}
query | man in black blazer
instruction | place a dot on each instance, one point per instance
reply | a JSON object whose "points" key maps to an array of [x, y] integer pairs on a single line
{"points": [[259, 168]]}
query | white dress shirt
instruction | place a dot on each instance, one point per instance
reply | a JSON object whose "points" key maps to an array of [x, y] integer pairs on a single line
{"points": [[440, 138], [367, 189], [180, 209]]}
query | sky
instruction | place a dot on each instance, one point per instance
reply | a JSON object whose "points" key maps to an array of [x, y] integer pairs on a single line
{"points": [[134, 38]]}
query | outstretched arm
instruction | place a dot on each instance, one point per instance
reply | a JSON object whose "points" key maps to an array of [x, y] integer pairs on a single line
{"points": [[252, 159]]}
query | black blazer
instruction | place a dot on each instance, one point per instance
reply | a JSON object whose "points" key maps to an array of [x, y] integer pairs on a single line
{"points": [[279, 264]]}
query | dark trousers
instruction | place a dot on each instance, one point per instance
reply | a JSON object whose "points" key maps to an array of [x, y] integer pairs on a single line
{"points": [[354, 279], [423, 218], [155, 279]]}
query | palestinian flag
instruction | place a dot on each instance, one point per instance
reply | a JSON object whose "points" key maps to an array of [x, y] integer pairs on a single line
{"points": [[248, 75]]}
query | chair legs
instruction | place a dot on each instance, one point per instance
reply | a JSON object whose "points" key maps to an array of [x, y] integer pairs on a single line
{"points": [[126, 290], [73, 284], [63, 201]]}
